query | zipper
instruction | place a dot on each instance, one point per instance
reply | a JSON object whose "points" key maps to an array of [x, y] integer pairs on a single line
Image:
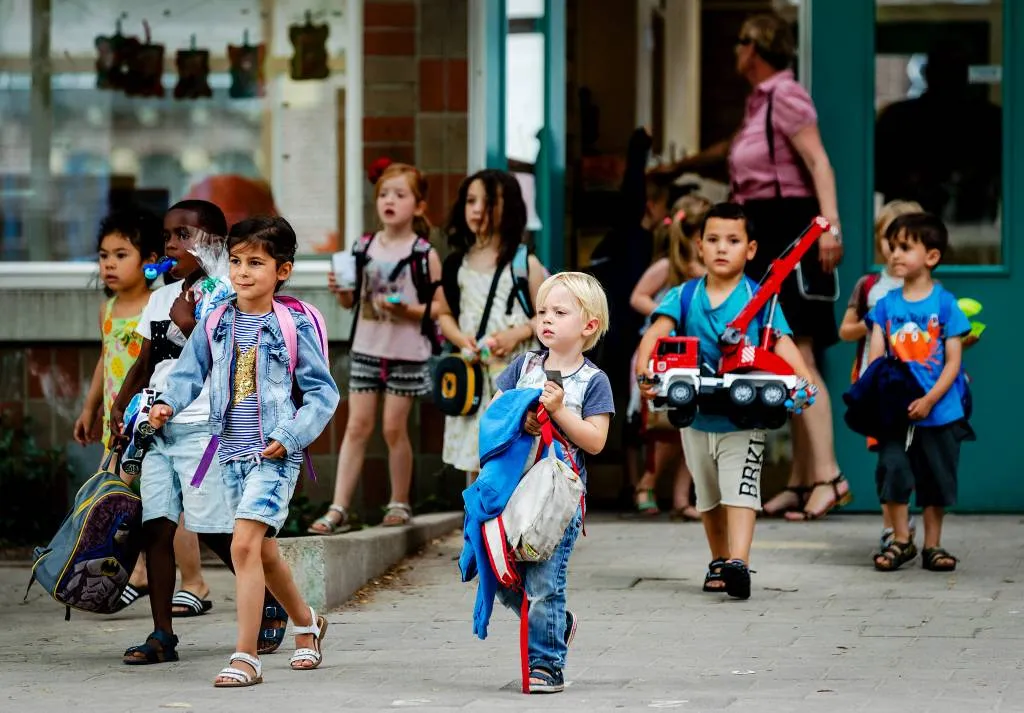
{"points": [[89, 501]]}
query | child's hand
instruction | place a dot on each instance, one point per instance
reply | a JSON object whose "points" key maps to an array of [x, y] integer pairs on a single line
{"points": [[183, 311], [531, 425], [467, 342], [116, 425], [920, 408], [551, 398], [400, 310], [159, 415], [503, 343], [801, 396], [274, 451], [647, 382], [82, 431]]}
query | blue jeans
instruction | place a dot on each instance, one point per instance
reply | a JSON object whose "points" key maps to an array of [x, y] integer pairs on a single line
{"points": [[545, 589]]}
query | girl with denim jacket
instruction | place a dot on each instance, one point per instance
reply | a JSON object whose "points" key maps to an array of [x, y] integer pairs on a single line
{"points": [[261, 430]]}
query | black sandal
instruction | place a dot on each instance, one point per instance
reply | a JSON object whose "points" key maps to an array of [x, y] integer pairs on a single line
{"points": [[714, 575], [802, 492], [736, 575], [838, 500], [271, 637], [160, 647], [895, 556], [931, 557]]}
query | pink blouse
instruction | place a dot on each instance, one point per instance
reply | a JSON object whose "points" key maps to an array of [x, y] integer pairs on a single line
{"points": [[751, 169]]}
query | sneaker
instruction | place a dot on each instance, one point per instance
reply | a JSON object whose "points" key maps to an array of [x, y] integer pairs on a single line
{"points": [[571, 622], [551, 681]]}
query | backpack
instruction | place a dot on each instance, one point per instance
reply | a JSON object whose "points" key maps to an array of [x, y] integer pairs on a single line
{"points": [[284, 305], [88, 562], [519, 267], [862, 309], [418, 261], [686, 294], [963, 382], [534, 521]]}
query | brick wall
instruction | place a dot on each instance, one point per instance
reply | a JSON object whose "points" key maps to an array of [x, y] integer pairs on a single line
{"points": [[415, 99]]}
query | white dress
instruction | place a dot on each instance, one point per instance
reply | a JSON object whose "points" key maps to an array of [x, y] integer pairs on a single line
{"points": [[461, 433]]}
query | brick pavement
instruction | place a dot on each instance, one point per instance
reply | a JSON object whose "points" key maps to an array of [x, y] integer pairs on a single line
{"points": [[822, 632]]}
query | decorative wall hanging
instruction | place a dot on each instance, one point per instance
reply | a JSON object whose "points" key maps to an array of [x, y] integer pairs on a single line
{"points": [[145, 68], [310, 43], [193, 73], [111, 59], [246, 69]]}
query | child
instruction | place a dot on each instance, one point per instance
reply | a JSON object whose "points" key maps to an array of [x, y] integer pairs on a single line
{"points": [[725, 461], [572, 315], [128, 239], [484, 232], [389, 350], [262, 433], [679, 264], [921, 324], [174, 457], [866, 293]]}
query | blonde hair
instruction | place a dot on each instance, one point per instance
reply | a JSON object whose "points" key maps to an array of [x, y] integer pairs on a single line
{"points": [[888, 213], [675, 240], [772, 37], [418, 186], [587, 291]]}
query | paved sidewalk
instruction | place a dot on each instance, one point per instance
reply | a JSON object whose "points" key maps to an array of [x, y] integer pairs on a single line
{"points": [[822, 632]]}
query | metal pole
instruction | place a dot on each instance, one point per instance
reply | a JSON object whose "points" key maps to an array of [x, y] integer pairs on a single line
{"points": [[550, 171], [37, 215]]}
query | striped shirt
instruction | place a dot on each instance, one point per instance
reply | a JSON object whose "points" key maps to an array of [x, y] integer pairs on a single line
{"points": [[241, 436]]}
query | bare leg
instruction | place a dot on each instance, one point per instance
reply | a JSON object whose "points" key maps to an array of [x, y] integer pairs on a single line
{"points": [[139, 579], [187, 556], [282, 584], [933, 517], [800, 476], [741, 531], [716, 527], [362, 414], [396, 435]]}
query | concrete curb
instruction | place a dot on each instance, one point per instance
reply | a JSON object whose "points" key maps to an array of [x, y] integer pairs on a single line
{"points": [[331, 568]]}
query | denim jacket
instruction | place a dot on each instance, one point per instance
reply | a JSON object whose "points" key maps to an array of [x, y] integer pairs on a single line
{"points": [[294, 428]]}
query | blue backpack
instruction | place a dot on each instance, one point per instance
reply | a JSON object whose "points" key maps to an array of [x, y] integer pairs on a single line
{"points": [[88, 562]]}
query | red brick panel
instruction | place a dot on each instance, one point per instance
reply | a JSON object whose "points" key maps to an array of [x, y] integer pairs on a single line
{"points": [[391, 43], [39, 369], [401, 153], [389, 129], [432, 91], [389, 14], [457, 85]]}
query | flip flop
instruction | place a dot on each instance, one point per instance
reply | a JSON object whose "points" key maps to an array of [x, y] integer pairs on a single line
{"points": [[194, 606], [130, 594]]}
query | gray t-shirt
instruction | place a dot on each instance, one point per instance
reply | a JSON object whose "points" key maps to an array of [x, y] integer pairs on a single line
{"points": [[587, 390]]}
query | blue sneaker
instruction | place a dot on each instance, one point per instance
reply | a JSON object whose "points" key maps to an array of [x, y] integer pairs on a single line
{"points": [[550, 681]]}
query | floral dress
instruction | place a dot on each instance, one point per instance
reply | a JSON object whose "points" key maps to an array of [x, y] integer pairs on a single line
{"points": [[121, 347], [461, 433]]}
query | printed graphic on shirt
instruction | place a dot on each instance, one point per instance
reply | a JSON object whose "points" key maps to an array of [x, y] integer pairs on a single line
{"points": [[377, 287], [245, 373], [912, 343]]}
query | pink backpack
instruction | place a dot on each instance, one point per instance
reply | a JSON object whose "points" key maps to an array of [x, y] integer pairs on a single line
{"points": [[283, 308]]}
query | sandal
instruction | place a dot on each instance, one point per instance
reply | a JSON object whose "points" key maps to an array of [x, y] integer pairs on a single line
{"points": [[714, 576], [271, 637], [160, 647], [192, 605], [237, 677], [895, 556], [838, 500], [646, 503], [544, 680], [687, 513], [130, 594], [397, 514], [736, 576], [327, 526], [314, 656], [932, 560], [800, 491]]}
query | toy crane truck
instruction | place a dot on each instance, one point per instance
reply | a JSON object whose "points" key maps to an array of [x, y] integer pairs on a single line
{"points": [[752, 385]]}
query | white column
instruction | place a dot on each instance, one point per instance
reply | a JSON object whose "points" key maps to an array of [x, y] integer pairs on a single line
{"points": [[476, 121], [682, 76], [354, 178]]}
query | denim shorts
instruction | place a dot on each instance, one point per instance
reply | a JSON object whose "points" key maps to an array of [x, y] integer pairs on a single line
{"points": [[167, 472], [261, 488]]}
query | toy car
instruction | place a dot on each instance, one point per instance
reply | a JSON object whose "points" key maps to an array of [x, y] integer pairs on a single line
{"points": [[753, 386], [138, 431]]}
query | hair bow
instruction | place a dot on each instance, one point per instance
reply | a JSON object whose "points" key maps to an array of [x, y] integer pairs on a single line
{"points": [[377, 168]]}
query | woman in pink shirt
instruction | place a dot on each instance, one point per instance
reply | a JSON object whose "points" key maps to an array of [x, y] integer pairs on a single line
{"points": [[781, 174]]}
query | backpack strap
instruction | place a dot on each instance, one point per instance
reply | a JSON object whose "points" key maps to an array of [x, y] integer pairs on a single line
{"points": [[287, 322], [520, 269], [361, 251], [291, 340], [865, 292], [214, 319], [450, 282], [686, 293]]}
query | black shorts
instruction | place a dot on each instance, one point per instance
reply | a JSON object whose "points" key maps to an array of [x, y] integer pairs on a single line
{"points": [[777, 223], [928, 467]]}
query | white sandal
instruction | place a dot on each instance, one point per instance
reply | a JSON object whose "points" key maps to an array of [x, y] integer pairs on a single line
{"points": [[318, 629], [240, 678]]}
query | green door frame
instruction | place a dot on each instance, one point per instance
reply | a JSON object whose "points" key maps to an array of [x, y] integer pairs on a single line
{"points": [[550, 165], [843, 91]]}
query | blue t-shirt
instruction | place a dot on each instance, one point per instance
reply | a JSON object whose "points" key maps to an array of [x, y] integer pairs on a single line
{"points": [[587, 391], [707, 324], [916, 334]]}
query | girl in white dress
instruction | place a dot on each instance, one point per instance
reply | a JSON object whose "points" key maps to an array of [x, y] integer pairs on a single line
{"points": [[485, 230]]}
